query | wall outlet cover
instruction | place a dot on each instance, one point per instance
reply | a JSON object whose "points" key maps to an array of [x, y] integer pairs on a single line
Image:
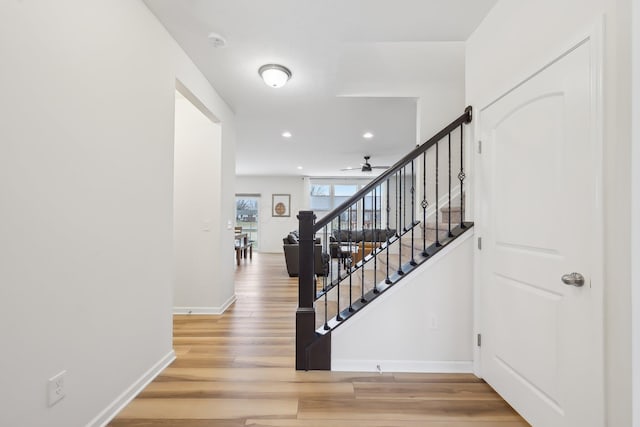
{"points": [[55, 388]]}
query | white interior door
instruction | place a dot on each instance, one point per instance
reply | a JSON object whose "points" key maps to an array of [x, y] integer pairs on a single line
{"points": [[542, 338]]}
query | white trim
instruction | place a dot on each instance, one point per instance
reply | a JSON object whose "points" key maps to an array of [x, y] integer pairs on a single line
{"points": [[635, 213], [597, 233], [104, 417], [475, 174], [416, 366], [205, 310]]}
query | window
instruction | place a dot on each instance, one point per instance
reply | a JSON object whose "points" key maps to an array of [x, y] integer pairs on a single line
{"points": [[247, 215], [321, 198], [327, 195]]}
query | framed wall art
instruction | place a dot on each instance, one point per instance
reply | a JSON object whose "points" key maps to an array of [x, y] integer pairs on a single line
{"points": [[281, 205]]}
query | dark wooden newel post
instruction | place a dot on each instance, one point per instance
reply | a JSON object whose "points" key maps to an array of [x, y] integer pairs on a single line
{"points": [[305, 315]]}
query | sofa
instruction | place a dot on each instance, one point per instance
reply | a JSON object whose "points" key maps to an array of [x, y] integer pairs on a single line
{"points": [[292, 256], [368, 238]]}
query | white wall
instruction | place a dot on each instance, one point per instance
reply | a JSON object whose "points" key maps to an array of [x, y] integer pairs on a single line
{"points": [[273, 229], [423, 324], [371, 69], [197, 190], [516, 39], [86, 159], [635, 212]]}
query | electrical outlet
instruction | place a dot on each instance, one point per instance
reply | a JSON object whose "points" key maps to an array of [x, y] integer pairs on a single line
{"points": [[55, 388], [433, 322]]}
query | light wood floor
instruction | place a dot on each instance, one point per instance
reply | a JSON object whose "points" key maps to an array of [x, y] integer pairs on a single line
{"points": [[238, 370]]}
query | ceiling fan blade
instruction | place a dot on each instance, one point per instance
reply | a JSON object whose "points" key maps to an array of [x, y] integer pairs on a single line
{"points": [[366, 166]]}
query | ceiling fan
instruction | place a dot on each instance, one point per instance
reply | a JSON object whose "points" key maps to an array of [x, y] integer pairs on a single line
{"points": [[366, 166]]}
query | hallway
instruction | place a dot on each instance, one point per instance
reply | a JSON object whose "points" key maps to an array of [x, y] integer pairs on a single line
{"points": [[238, 370]]}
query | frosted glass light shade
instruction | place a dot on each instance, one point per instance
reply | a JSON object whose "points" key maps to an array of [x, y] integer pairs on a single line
{"points": [[274, 75]]}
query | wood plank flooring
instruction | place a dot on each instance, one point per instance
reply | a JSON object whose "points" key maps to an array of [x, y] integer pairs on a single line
{"points": [[238, 370]]}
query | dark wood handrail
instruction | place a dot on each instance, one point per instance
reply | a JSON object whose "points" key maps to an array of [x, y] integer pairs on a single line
{"points": [[463, 119]]}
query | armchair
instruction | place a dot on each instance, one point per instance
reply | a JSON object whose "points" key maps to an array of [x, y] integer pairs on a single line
{"points": [[292, 257]]}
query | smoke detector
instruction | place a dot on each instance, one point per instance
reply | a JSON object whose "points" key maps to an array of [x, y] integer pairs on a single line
{"points": [[217, 40]]}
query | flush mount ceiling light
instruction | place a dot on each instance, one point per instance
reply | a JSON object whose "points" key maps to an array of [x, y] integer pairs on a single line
{"points": [[286, 134], [367, 135], [274, 75]]}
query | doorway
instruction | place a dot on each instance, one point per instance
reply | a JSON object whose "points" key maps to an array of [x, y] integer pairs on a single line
{"points": [[248, 216], [196, 211]]}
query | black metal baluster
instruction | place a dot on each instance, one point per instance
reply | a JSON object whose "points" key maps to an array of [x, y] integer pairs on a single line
{"points": [[413, 214], [401, 227], [388, 279], [325, 249], [404, 205], [450, 234], [375, 236], [398, 201], [461, 177], [363, 254], [424, 204], [351, 259], [437, 195], [340, 259], [327, 246]]}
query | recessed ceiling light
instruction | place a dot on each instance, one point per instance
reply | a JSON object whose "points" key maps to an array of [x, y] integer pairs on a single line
{"points": [[299, 167], [274, 75], [367, 135], [286, 134]]}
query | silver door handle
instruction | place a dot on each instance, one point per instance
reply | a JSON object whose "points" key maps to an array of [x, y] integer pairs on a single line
{"points": [[573, 279]]}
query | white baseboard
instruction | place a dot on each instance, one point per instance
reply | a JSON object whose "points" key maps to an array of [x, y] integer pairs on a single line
{"points": [[206, 310], [415, 366], [130, 393]]}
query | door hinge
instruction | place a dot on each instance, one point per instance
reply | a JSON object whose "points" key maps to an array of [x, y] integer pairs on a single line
{"points": [[479, 243], [479, 340], [479, 146]]}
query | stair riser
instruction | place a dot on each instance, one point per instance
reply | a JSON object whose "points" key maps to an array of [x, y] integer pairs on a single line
{"points": [[455, 216], [431, 233]]}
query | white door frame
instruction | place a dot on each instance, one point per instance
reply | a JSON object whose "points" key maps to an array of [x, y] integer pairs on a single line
{"points": [[596, 37], [635, 211]]}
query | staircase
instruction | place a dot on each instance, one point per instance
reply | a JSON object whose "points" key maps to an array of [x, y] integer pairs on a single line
{"points": [[410, 212]]}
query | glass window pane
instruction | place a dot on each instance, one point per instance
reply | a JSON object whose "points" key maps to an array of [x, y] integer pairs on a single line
{"points": [[247, 216], [345, 190], [320, 190], [368, 201], [321, 203]]}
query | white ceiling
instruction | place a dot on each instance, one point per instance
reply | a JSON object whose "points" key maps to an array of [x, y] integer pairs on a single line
{"points": [[358, 65]]}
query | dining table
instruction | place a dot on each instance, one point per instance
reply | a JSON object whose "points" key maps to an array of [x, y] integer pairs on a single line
{"points": [[243, 247]]}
